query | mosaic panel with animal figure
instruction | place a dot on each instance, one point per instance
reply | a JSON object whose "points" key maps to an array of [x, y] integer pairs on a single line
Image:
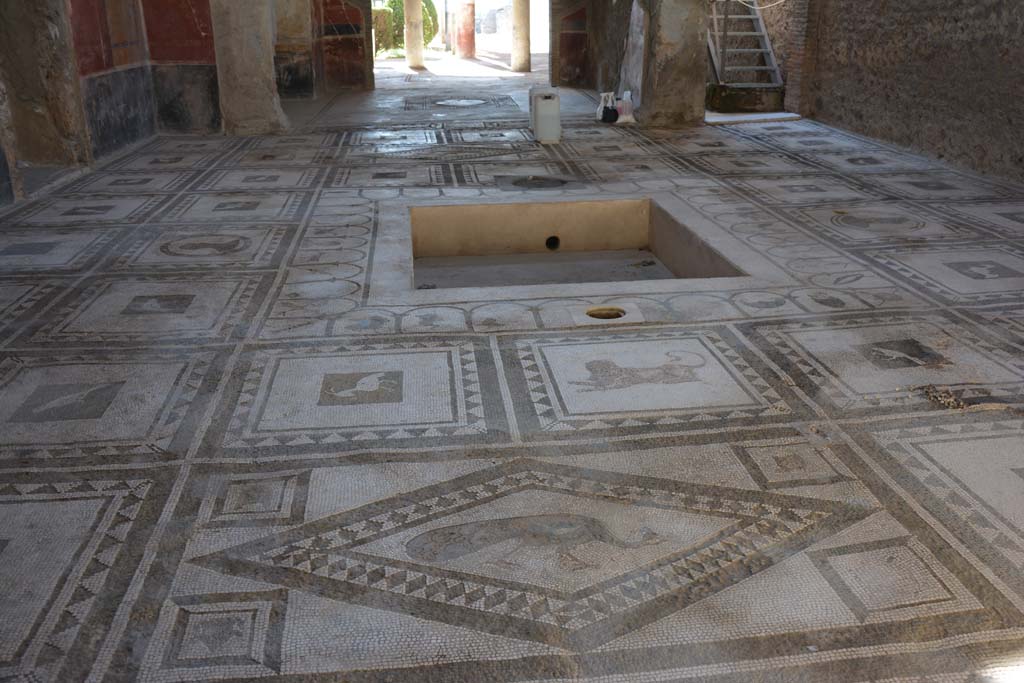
{"points": [[225, 456]]}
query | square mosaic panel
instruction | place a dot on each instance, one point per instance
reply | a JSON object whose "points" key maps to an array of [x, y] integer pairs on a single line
{"points": [[1006, 320], [881, 224], [19, 300], [708, 141], [750, 164], [969, 474], [820, 141], [942, 185], [258, 207], [222, 635], [894, 578], [1005, 217], [281, 157], [70, 545], [876, 161], [459, 102], [639, 381], [28, 251], [386, 154], [803, 190], [170, 158], [228, 247], [352, 395], [397, 135], [275, 499], [327, 139], [873, 364], [94, 209], [193, 143], [398, 176], [131, 182], [260, 180], [197, 308], [976, 273], [790, 465], [102, 407]]}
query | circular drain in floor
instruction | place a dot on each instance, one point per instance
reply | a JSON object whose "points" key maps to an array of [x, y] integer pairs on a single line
{"points": [[606, 312], [539, 182], [460, 103]]}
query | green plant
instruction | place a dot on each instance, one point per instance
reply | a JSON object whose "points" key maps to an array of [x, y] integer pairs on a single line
{"points": [[430, 22], [383, 29]]}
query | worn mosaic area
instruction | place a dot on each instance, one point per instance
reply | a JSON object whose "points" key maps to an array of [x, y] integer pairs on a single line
{"points": [[224, 455]]}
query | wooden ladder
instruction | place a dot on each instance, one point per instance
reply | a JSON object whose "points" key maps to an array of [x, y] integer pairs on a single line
{"points": [[741, 51]]}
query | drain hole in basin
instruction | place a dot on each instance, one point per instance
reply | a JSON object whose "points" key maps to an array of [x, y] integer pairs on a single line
{"points": [[606, 312], [539, 182], [553, 243]]}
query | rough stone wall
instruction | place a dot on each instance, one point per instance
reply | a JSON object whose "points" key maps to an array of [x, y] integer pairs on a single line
{"points": [[789, 27], [42, 84], [116, 81], [293, 52], [940, 76], [184, 65]]}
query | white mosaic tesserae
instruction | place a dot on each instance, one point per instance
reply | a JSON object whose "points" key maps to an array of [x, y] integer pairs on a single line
{"points": [[238, 443]]}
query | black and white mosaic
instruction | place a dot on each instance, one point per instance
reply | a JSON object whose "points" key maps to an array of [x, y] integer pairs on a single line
{"points": [[229, 452]]}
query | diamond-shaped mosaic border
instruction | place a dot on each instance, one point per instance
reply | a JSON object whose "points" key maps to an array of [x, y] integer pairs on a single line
{"points": [[324, 556]]}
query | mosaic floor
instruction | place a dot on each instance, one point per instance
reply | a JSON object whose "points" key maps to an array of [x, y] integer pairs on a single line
{"points": [[227, 454]]}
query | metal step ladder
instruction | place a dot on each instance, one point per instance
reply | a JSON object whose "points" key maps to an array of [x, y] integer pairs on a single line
{"points": [[741, 51]]}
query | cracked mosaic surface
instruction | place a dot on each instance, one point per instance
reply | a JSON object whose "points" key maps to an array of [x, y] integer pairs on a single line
{"points": [[226, 454]]}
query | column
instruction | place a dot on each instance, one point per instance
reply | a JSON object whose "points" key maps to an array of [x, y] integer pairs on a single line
{"points": [[243, 34], [465, 30], [414, 34], [521, 35], [675, 64]]}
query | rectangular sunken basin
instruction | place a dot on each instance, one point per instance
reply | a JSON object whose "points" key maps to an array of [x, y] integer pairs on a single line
{"points": [[493, 245]]}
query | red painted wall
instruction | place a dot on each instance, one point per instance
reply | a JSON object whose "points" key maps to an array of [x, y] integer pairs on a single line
{"points": [[340, 44], [573, 49], [91, 36], [107, 34], [179, 31]]}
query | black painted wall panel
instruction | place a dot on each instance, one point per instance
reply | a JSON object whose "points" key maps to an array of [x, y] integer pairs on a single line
{"points": [[119, 109], [6, 188], [187, 98]]}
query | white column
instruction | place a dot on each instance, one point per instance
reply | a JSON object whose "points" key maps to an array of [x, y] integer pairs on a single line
{"points": [[414, 33], [521, 35]]}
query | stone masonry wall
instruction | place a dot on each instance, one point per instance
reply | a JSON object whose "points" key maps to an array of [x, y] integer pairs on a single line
{"points": [[940, 76]]}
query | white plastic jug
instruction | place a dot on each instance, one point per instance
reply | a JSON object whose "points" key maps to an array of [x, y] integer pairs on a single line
{"points": [[546, 116]]}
